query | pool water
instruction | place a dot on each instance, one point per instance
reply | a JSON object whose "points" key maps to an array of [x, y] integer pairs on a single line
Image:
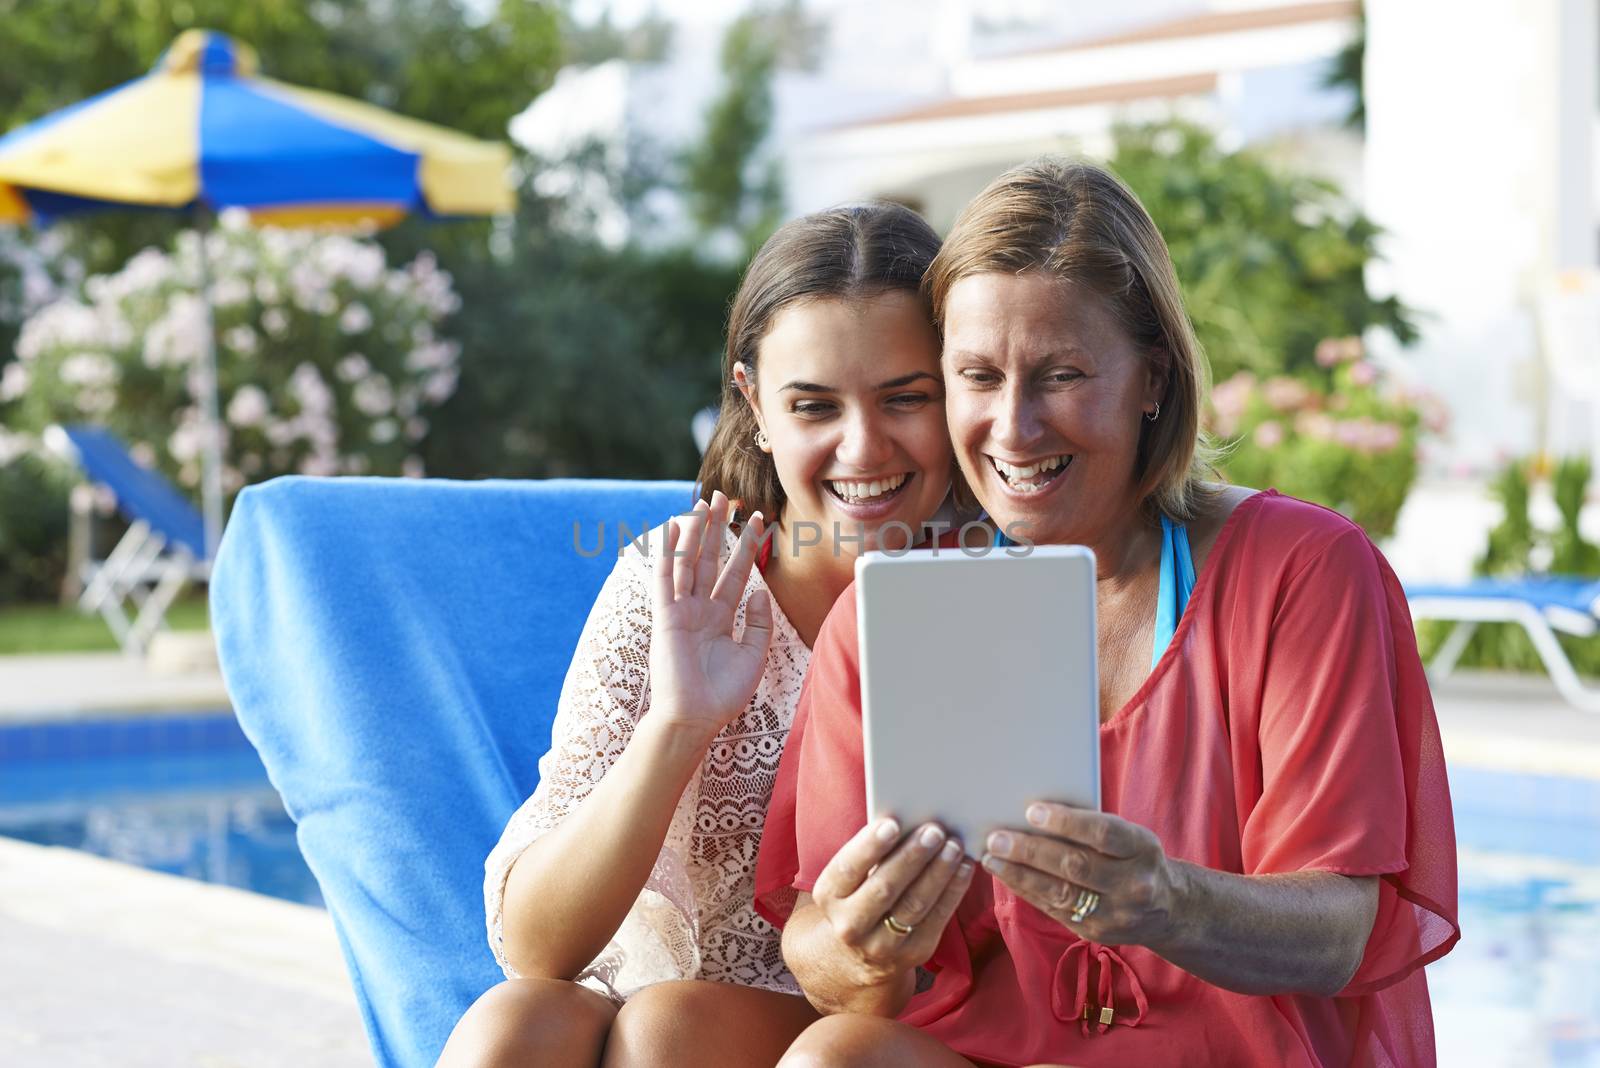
{"points": [[187, 795], [180, 794]]}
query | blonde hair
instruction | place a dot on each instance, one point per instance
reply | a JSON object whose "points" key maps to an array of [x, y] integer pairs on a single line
{"points": [[1076, 221]]}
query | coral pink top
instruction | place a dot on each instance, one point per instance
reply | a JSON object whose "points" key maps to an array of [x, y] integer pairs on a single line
{"points": [[1287, 728]]}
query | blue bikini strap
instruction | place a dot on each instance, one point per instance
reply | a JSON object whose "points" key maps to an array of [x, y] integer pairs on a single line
{"points": [[1177, 583]]}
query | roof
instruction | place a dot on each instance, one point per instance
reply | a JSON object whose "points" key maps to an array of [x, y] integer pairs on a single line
{"points": [[1209, 23], [1082, 96]]}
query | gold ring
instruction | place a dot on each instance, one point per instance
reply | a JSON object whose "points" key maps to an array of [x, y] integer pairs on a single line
{"points": [[1087, 902], [896, 927]]}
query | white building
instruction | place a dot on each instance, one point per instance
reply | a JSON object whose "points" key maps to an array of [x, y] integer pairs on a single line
{"points": [[1252, 72], [1478, 156]]}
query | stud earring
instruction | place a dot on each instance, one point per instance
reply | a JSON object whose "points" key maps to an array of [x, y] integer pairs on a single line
{"points": [[762, 442]]}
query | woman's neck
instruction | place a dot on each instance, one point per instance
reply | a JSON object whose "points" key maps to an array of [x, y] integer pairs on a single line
{"points": [[1125, 551], [805, 582]]}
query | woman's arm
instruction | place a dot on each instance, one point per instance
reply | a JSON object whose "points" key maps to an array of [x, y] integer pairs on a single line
{"points": [[570, 890], [831, 976], [1301, 932], [877, 913]]}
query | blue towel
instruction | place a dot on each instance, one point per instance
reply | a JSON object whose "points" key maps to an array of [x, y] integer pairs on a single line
{"points": [[394, 649]]}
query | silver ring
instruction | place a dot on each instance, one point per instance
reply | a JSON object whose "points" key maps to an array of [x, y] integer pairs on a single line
{"points": [[896, 927], [1087, 902]]}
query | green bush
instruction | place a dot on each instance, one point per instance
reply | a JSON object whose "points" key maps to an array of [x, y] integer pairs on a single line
{"points": [[1271, 262], [577, 359], [1347, 440], [33, 529], [1515, 548]]}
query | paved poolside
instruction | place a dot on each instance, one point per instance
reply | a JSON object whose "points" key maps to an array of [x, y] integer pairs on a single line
{"points": [[111, 965], [68, 685], [106, 964]]}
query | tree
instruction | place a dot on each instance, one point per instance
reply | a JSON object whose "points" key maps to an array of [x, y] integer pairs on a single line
{"points": [[647, 41], [577, 359], [1271, 264], [1348, 72], [730, 188], [430, 59], [438, 60]]}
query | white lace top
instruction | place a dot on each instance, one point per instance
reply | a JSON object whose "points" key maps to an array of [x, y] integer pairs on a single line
{"points": [[694, 919]]}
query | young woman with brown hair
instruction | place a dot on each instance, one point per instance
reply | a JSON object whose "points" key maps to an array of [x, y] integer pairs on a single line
{"points": [[619, 899]]}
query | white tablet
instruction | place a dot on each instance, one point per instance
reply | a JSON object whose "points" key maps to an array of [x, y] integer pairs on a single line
{"points": [[979, 685]]}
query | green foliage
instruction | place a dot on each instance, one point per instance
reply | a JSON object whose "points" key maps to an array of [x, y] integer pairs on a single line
{"points": [[1517, 547], [576, 359], [1348, 72], [728, 186], [1270, 263], [50, 628], [646, 41], [437, 60], [1570, 552], [431, 59], [33, 529], [1347, 440], [1512, 540]]}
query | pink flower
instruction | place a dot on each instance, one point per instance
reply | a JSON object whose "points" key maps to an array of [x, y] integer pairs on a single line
{"points": [[1363, 373], [1284, 394], [1229, 401], [1314, 425], [1384, 436], [1333, 351], [1269, 435]]}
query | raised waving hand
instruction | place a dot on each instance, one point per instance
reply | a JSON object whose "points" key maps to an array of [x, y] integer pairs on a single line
{"points": [[701, 676]]}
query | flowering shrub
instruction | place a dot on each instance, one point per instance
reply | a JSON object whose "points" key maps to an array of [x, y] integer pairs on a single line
{"points": [[1349, 441], [329, 361]]}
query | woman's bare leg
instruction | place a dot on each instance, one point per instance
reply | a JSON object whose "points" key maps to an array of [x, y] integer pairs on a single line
{"points": [[525, 1022], [694, 1022], [852, 1041]]}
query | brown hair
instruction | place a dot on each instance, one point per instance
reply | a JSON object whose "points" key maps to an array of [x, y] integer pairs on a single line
{"points": [[854, 252], [1076, 221]]}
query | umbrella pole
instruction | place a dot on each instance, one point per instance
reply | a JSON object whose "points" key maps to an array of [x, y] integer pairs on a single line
{"points": [[210, 419]]}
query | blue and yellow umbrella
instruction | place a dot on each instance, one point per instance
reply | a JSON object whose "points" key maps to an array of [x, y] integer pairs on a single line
{"points": [[204, 129]]}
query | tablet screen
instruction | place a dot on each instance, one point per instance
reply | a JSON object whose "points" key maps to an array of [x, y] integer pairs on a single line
{"points": [[979, 685]]}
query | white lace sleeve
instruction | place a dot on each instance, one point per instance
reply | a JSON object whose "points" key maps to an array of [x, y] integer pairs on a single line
{"points": [[605, 693]]}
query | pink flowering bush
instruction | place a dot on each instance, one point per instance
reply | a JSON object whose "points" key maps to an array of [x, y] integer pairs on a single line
{"points": [[329, 360], [1348, 441]]}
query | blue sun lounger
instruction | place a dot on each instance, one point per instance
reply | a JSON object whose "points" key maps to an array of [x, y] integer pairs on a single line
{"points": [[1540, 605], [161, 553], [394, 650]]}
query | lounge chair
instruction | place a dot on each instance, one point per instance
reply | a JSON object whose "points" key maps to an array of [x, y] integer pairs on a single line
{"points": [[1540, 605], [161, 553], [394, 649]]}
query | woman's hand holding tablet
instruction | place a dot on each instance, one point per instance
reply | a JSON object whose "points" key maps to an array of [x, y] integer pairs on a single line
{"points": [[888, 896]]}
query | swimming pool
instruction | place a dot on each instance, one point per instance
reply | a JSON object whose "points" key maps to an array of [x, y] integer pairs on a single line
{"points": [[187, 795], [183, 794]]}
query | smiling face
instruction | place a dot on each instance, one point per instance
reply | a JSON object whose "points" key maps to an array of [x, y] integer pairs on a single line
{"points": [[849, 395], [1047, 398]]}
